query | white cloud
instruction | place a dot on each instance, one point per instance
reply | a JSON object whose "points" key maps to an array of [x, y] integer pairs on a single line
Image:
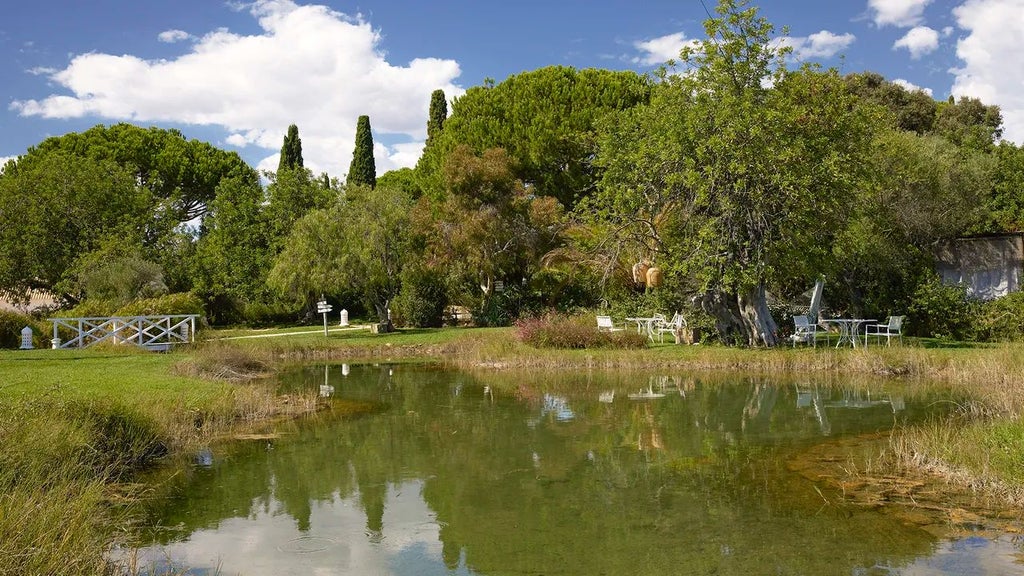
{"points": [[171, 36], [911, 86], [310, 66], [989, 54], [920, 40], [659, 50], [822, 44], [900, 13]]}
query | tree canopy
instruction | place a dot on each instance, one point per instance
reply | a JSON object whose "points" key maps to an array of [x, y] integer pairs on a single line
{"points": [[738, 172], [363, 170], [544, 119]]}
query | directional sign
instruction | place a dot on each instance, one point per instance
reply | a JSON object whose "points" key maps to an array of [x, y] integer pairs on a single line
{"points": [[323, 307]]}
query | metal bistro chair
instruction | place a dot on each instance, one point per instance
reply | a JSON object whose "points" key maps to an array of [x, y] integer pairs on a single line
{"points": [[672, 326], [804, 331], [893, 327], [605, 324]]}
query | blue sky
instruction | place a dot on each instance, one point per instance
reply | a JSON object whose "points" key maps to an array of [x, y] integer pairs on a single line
{"points": [[236, 74]]}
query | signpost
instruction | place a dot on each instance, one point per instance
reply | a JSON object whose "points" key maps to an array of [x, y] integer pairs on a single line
{"points": [[323, 308]]}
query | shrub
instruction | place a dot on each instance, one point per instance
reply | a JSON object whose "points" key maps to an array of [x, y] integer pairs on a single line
{"points": [[11, 324], [259, 314], [423, 298], [942, 311], [573, 332], [1002, 319], [180, 303]]}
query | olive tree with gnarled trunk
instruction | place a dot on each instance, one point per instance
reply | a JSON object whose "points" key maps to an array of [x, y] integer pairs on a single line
{"points": [[738, 173]]}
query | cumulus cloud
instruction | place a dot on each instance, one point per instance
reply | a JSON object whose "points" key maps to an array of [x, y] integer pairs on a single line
{"points": [[309, 65], [171, 36], [661, 49], [900, 13], [822, 44], [989, 53], [920, 40], [911, 86]]}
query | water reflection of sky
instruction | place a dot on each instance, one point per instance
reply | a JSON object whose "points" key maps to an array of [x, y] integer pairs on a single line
{"points": [[466, 476], [337, 543]]}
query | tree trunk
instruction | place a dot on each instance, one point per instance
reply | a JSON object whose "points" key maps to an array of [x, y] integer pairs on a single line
{"points": [[727, 320], [384, 314], [758, 324]]}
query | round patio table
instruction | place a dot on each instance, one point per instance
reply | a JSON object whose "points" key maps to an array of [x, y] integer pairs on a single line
{"points": [[848, 328]]}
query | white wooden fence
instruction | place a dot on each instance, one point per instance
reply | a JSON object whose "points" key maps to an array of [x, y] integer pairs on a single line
{"points": [[149, 332]]}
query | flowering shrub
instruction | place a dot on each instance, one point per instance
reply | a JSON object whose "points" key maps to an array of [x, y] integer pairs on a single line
{"points": [[573, 332]]}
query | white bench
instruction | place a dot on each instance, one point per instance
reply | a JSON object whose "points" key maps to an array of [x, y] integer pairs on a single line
{"points": [[604, 323]]}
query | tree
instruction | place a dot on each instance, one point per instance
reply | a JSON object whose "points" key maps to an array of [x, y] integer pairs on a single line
{"points": [[362, 171], [181, 174], [292, 193], [438, 114], [291, 150], [925, 189], [359, 243], [740, 172], [489, 227], [544, 119], [912, 110], [58, 206], [234, 250], [969, 123]]}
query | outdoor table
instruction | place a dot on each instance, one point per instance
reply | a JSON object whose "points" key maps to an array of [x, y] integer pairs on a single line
{"points": [[644, 324], [848, 328]]}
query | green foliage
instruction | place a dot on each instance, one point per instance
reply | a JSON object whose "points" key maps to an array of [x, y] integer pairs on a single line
{"points": [[272, 313], [968, 123], [116, 273], [573, 332], [292, 194], [437, 115], [181, 174], [544, 119], [76, 202], [739, 173], [11, 324], [233, 255], [358, 244], [423, 297], [1006, 204], [363, 170], [942, 311], [291, 150], [488, 228], [180, 303], [911, 110], [403, 179], [1002, 319]]}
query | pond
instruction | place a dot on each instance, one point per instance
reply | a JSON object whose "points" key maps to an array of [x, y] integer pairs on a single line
{"points": [[441, 472]]}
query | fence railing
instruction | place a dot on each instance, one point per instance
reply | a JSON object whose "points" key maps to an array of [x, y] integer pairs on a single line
{"points": [[149, 332]]}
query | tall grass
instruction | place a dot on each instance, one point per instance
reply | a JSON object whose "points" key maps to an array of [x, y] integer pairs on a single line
{"points": [[73, 426]]}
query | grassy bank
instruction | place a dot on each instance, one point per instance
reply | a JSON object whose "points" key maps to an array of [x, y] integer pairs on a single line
{"points": [[75, 425]]}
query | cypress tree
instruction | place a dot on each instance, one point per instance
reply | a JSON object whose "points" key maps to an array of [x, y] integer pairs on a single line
{"points": [[438, 114], [291, 150], [363, 170]]}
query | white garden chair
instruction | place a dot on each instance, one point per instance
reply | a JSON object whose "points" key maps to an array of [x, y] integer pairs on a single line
{"points": [[893, 327]]}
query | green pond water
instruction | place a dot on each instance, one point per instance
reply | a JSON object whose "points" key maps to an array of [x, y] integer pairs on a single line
{"points": [[617, 473]]}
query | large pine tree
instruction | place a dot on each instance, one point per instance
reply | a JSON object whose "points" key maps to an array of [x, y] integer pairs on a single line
{"points": [[363, 170], [291, 150]]}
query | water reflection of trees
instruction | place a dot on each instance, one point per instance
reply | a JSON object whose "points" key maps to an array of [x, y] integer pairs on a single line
{"points": [[692, 482]]}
